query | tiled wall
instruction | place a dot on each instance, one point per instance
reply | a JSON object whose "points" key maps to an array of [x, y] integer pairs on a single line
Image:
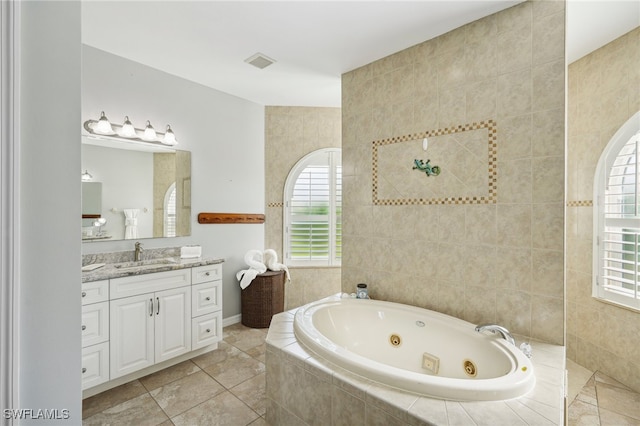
{"points": [[292, 133], [500, 261], [603, 93]]}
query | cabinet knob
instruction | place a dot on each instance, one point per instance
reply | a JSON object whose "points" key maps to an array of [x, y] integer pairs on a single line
{"points": [[84, 327], [84, 294], [84, 370], [208, 330], [207, 273], [207, 298]]}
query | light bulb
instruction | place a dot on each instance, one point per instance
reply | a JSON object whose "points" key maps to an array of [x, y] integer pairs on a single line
{"points": [[425, 144], [149, 133], [128, 131], [169, 137], [103, 126]]}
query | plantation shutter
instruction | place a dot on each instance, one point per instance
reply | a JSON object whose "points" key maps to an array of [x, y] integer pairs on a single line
{"points": [[170, 212], [313, 210], [619, 254], [310, 221]]}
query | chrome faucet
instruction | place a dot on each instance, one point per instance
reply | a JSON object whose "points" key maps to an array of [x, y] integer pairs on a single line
{"points": [[494, 328], [137, 256]]}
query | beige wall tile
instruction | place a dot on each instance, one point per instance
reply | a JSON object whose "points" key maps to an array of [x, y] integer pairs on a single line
{"points": [[548, 38], [477, 261]]}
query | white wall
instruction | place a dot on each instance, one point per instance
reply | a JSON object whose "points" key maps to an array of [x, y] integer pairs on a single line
{"points": [[225, 135], [50, 206]]}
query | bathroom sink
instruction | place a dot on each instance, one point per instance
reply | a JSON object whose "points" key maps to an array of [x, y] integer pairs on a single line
{"points": [[143, 263]]}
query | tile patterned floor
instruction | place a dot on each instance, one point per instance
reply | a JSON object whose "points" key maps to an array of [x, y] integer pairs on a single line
{"points": [[602, 401], [222, 387]]}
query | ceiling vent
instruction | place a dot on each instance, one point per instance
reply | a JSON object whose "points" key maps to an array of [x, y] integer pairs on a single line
{"points": [[259, 60]]}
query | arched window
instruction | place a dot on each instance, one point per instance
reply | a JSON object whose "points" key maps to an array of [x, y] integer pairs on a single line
{"points": [[170, 211], [616, 253], [313, 210]]}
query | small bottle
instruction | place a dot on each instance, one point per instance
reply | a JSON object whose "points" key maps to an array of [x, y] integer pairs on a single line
{"points": [[362, 292]]}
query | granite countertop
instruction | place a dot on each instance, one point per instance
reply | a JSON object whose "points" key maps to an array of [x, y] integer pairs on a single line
{"points": [[111, 270]]}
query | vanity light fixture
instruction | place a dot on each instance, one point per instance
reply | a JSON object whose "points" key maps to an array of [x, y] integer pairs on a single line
{"points": [[149, 133], [103, 127], [169, 137], [86, 176], [126, 132]]}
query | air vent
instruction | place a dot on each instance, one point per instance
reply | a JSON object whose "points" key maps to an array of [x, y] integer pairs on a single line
{"points": [[259, 60]]}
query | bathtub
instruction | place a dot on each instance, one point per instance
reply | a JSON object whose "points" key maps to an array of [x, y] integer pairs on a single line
{"points": [[414, 349]]}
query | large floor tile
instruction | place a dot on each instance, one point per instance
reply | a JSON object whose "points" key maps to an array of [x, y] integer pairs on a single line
{"points": [[224, 409], [111, 397], [184, 394], [168, 375], [223, 352], [139, 411], [252, 393], [618, 400], [583, 414], [235, 370], [245, 338]]}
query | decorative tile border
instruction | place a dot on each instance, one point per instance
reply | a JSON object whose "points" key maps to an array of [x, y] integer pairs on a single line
{"points": [[581, 203], [491, 196], [275, 205]]}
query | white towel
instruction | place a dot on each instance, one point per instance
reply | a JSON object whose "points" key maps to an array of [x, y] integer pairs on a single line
{"points": [[131, 223], [271, 260], [253, 258], [258, 263]]}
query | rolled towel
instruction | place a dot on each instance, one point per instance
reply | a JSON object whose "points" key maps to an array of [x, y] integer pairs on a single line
{"points": [[253, 258], [271, 260]]}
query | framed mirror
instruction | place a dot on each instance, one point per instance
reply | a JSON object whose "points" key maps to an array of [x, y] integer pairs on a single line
{"points": [[137, 191]]}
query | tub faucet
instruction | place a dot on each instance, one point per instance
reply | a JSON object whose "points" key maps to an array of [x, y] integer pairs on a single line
{"points": [[494, 328], [137, 255]]}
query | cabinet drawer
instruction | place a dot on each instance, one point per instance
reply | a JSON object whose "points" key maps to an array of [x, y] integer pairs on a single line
{"points": [[206, 330], [95, 323], [95, 365], [94, 292], [206, 298], [203, 274], [148, 283]]}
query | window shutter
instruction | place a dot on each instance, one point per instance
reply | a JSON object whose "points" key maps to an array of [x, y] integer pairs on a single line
{"points": [[313, 210], [617, 219]]}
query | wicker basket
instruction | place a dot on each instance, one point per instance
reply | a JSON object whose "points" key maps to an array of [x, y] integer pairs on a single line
{"points": [[262, 299]]}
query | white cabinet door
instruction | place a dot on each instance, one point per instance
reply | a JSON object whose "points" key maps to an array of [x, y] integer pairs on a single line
{"points": [[172, 323], [132, 337], [95, 365], [95, 323]]}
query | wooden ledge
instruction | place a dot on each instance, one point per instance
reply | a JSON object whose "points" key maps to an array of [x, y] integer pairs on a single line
{"points": [[220, 218]]}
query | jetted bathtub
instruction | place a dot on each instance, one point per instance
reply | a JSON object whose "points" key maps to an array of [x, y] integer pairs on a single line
{"points": [[414, 349]]}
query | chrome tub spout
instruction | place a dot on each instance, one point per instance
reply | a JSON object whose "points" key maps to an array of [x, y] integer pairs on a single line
{"points": [[494, 328]]}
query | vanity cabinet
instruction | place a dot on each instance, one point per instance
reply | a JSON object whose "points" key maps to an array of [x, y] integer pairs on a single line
{"points": [[152, 323], [141, 323], [206, 305], [95, 333]]}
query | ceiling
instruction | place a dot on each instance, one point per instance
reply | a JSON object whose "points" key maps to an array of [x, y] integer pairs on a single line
{"points": [[312, 42]]}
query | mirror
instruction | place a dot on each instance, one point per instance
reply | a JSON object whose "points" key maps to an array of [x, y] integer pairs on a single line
{"points": [[137, 191]]}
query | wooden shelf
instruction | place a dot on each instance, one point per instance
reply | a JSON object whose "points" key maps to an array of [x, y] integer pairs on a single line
{"points": [[221, 218]]}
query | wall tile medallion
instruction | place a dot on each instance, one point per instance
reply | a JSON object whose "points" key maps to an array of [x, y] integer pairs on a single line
{"points": [[466, 155]]}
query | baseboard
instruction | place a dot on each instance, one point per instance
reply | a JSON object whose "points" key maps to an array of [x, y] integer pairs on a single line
{"points": [[231, 320]]}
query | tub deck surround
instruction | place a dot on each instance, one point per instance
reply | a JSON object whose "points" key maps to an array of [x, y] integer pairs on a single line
{"points": [[114, 260], [415, 349], [302, 387]]}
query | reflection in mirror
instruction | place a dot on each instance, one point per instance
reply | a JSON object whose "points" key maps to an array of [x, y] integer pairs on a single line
{"points": [[145, 192]]}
